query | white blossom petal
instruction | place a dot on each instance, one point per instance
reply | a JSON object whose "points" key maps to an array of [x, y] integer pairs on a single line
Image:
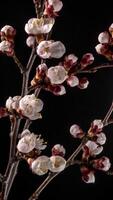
{"points": [[40, 165]]}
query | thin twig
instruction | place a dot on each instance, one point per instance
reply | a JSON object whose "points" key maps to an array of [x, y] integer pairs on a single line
{"points": [[20, 66], [106, 118], [10, 179], [95, 69]]}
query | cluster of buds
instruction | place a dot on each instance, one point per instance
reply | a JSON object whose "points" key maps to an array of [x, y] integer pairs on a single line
{"points": [[92, 148], [105, 43], [29, 106], [55, 163], [7, 34], [52, 7], [52, 78]]}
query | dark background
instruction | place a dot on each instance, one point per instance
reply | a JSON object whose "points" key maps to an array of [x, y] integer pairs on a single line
{"points": [[77, 27]]}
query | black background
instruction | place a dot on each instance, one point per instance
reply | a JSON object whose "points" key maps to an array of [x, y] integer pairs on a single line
{"points": [[77, 27]]}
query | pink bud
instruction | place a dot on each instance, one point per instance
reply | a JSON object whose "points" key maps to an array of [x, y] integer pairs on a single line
{"points": [[83, 83], [76, 131], [102, 164], [58, 150], [87, 59], [104, 37]]}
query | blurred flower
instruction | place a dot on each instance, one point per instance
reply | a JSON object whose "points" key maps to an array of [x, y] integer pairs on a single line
{"points": [[30, 106], [27, 143], [30, 141], [12, 103], [37, 26], [57, 164], [40, 165], [91, 148], [102, 163], [50, 49], [57, 74]]}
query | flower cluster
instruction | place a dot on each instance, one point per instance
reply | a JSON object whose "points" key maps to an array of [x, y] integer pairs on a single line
{"points": [[105, 43], [30, 146], [52, 78], [29, 106], [7, 34], [92, 148]]}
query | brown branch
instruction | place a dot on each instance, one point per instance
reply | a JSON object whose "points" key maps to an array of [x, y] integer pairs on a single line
{"points": [[20, 66], [95, 69], [106, 118]]}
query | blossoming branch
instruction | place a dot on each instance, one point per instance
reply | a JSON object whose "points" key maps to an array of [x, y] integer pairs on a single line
{"points": [[26, 107]]}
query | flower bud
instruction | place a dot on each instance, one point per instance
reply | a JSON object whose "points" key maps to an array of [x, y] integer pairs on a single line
{"points": [[102, 164], [76, 131], [104, 37], [58, 150]]}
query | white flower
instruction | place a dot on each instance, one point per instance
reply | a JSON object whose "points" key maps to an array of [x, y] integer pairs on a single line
{"points": [[57, 164], [40, 165], [76, 131], [101, 138], [73, 81], [104, 37], [102, 164], [30, 41], [30, 106], [37, 26], [57, 4], [6, 47], [30, 141], [27, 143], [12, 103], [58, 149], [57, 74], [94, 149], [51, 49]]}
